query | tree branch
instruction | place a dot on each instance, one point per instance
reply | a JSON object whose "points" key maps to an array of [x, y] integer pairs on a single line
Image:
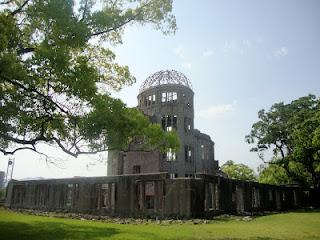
{"points": [[25, 50], [6, 2], [47, 98], [5, 152], [123, 23], [19, 9], [114, 28]]}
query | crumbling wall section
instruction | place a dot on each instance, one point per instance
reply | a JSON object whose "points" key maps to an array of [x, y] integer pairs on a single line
{"points": [[155, 195]]}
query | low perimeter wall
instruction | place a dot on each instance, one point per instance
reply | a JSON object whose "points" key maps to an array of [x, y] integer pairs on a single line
{"points": [[154, 195]]}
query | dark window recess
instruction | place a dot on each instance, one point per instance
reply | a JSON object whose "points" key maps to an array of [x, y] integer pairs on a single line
{"points": [[270, 195], [18, 194], [169, 122], [204, 152], [163, 123], [136, 169], [173, 175], [233, 197], [174, 121], [106, 196], [150, 100], [41, 195], [149, 195], [187, 153], [187, 124], [255, 197], [69, 199]]}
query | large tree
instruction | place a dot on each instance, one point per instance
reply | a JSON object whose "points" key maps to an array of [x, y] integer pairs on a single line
{"points": [[292, 132], [56, 74], [238, 171], [273, 174]]}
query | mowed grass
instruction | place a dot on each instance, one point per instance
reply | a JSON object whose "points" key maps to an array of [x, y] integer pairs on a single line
{"points": [[292, 225]]}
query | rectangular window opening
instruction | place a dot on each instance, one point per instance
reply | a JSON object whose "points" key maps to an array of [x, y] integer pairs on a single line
{"points": [[164, 97], [149, 195], [171, 156], [187, 124], [173, 175], [136, 169], [174, 123]]}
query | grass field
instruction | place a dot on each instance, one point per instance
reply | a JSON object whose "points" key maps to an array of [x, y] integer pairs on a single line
{"points": [[292, 225]]}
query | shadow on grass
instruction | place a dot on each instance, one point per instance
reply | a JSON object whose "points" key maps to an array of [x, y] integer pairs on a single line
{"points": [[307, 210], [52, 230]]}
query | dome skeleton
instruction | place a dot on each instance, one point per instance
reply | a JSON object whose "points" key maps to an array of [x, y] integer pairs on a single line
{"points": [[163, 78]]}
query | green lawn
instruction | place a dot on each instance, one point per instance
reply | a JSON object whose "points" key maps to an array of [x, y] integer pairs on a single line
{"points": [[293, 225]]}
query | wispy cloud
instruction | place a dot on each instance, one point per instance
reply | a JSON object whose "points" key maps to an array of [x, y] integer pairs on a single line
{"points": [[281, 52], [215, 111], [179, 51], [237, 46], [230, 46], [207, 53], [187, 65]]}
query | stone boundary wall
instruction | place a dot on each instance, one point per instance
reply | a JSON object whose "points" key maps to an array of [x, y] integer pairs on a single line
{"points": [[154, 195]]}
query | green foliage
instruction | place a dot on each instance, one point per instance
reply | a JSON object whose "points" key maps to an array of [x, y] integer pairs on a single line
{"points": [[56, 74], [292, 225], [291, 131], [238, 171], [273, 174]]}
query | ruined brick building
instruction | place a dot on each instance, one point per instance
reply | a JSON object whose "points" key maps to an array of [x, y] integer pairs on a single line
{"points": [[185, 184], [167, 98]]}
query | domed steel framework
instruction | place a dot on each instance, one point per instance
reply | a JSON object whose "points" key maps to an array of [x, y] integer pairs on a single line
{"points": [[165, 77]]}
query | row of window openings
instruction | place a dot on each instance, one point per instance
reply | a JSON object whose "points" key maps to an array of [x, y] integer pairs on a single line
{"points": [[165, 97], [105, 197], [212, 197], [169, 122], [171, 155], [175, 175]]}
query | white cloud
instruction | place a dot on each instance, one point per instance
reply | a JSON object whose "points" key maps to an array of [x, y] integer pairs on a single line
{"points": [[179, 51], [230, 46], [281, 52], [212, 112], [207, 53], [187, 65]]}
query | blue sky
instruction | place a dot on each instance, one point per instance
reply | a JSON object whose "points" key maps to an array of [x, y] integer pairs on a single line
{"points": [[241, 56]]}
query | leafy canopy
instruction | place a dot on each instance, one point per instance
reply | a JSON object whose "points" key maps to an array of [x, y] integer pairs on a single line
{"points": [[292, 132], [273, 174], [56, 74], [238, 171]]}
